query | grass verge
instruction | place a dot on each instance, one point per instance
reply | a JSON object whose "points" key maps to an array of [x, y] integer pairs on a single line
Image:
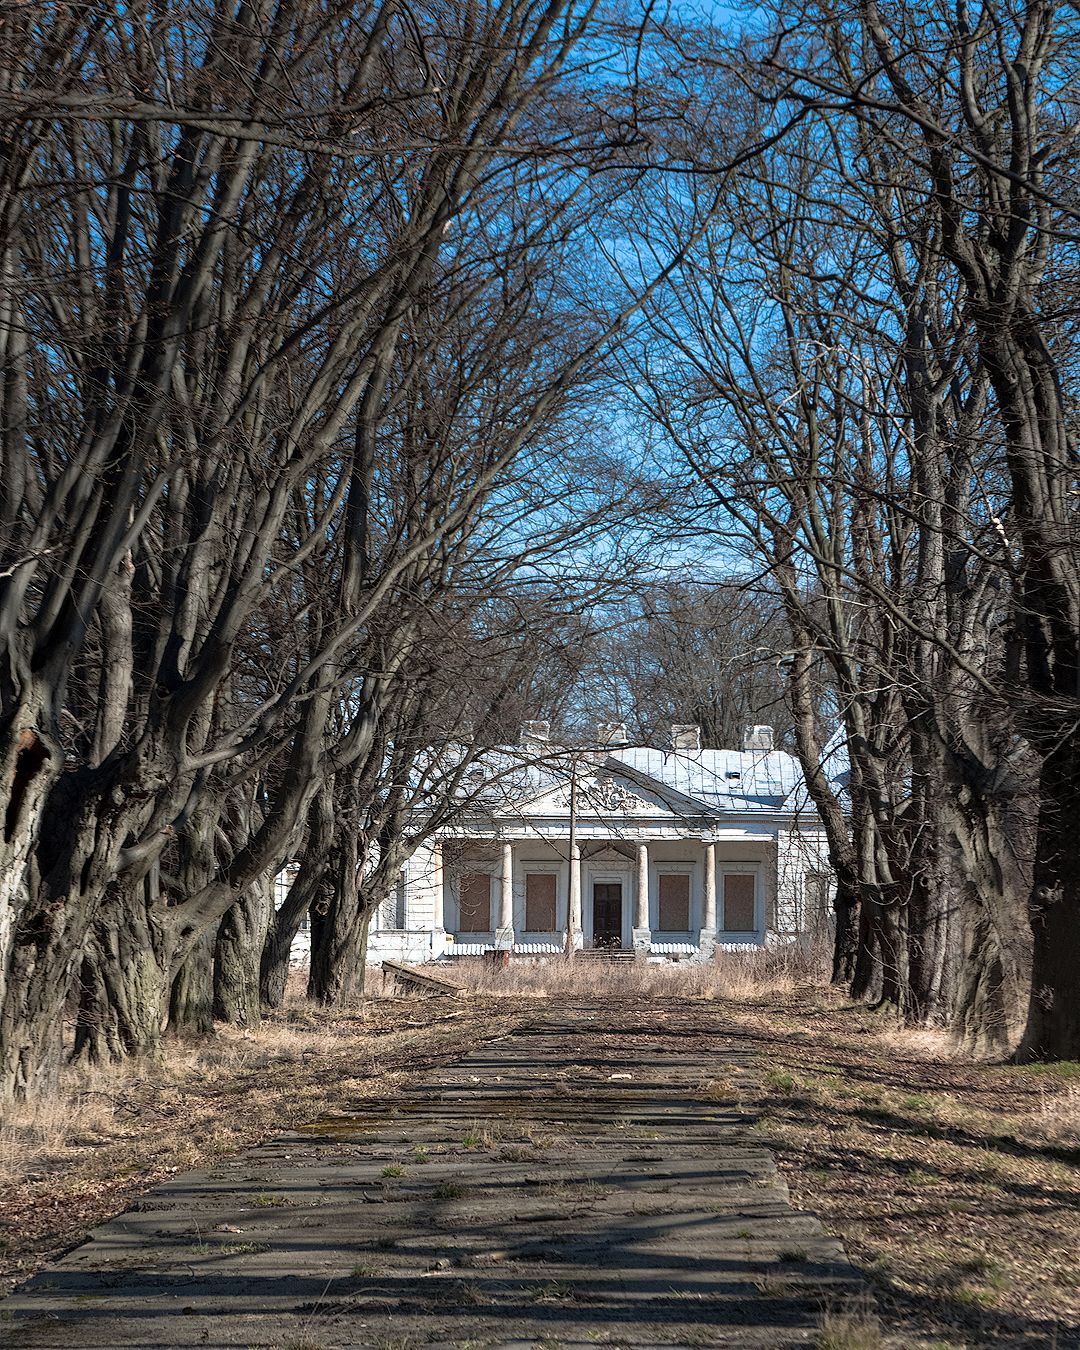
{"points": [[69, 1161], [955, 1185]]}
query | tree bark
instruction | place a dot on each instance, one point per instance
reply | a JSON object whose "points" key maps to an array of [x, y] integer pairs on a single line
{"points": [[30, 763], [124, 980], [1053, 1022], [69, 874], [306, 886], [240, 938], [191, 999], [338, 925], [841, 850]]}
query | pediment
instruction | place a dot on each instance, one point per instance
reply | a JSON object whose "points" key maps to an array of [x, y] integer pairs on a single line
{"points": [[607, 791], [613, 794], [609, 857]]}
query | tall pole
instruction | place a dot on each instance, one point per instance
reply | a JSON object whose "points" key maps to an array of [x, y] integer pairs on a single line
{"points": [[573, 890]]}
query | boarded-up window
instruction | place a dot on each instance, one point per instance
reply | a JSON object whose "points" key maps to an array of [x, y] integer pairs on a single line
{"points": [[739, 902], [540, 902], [674, 902], [474, 903]]}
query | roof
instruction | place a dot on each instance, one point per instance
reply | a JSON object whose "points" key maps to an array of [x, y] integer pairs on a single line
{"points": [[535, 777], [722, 779]]}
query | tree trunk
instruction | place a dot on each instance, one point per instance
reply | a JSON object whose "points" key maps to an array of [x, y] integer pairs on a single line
{"points": [[66, 881], [990, 842], [124, 987], [842, 855], [865, 979], [191, 1001], [29, 765], [285, 923], [338, 927], [846, 904], [40, 969], [928, 927], [885, 917], [240, 938], [1053, 1025]]}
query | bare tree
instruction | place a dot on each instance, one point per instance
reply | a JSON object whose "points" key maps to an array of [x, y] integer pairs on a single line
{"points": [[192, 426], [827, 399], [978, 107], [682, 650]]}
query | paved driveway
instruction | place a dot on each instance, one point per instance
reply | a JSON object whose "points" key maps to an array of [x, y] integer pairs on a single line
{"points": [[575, 1184]]}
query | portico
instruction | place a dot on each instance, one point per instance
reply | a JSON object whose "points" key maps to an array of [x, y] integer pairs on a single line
{"points": [[528, 893]]}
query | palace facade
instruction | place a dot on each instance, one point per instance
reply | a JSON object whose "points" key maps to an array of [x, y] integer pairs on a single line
{"points": [[667, 852]]}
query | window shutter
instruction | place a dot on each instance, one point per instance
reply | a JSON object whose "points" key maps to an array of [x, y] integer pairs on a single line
{"points": [[739, 902], [474, 903]]}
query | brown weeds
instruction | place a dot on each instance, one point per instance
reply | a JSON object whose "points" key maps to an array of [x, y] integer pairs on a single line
{"points": [[955, 1185], [757, 973]]}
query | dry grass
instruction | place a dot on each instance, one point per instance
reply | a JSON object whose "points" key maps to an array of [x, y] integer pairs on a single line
{"points": [[129, 1105], [1058, 1117], [854, 1328], [70, 1160], [955, 1185], [758, 973]]}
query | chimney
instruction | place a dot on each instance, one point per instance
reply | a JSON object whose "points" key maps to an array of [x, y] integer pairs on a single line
{"points": [[757, 738], [685, 736], [612, 733], [534, 731]]}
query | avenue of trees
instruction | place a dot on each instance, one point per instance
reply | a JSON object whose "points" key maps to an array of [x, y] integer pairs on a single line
{"points": [[293, 430], [869, 377], [324, 330]]}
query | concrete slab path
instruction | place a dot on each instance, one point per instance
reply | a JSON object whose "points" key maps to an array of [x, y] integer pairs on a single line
{"points": [[565, 1187]]}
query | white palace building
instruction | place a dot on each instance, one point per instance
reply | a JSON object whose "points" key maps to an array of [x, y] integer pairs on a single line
{"points": [[668, 853]]}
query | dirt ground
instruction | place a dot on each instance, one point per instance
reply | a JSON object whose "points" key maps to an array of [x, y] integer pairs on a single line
{"points": [[955, 1186]]}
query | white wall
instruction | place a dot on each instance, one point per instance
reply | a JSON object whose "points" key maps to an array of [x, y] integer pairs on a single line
{"points": [[781, 859], [799, 851]]}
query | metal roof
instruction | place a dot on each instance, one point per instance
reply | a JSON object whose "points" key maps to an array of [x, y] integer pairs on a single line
{"points": [[717, 780], [730, 780]]}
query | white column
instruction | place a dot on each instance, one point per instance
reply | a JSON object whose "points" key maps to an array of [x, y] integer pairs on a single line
{"points": [[438, 921], [504, 933], [574, 899], [707, 936], [642, 936]]}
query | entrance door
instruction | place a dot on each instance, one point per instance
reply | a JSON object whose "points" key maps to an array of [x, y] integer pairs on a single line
{"points": [[607, 914]]}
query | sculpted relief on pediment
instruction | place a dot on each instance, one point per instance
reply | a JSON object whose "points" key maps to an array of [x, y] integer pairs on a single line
{"points": [[604, 795], [610, 795]]}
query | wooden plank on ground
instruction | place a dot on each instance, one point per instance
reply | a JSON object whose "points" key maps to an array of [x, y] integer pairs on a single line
{"points": [[424, 980]]}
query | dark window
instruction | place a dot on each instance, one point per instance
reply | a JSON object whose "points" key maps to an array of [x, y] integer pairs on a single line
{"points": [[607, 914]]}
